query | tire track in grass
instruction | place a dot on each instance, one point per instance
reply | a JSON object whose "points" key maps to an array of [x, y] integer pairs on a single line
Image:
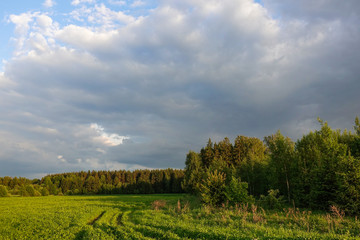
{"points": [[147, 232], [155, 233], [117, 226], [92, 222], [106, 223], [119, 219]]}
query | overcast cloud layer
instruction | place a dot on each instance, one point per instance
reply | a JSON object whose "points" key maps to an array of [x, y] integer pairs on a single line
{"points": [[100, 88]]}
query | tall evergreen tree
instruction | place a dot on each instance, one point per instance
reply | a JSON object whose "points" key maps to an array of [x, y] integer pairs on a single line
{"points": [[207, 154], [194, 172]]}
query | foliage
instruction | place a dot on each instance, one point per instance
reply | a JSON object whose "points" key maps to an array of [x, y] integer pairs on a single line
{"points": [[281, 152], [44, 192], [3, 191], [193, 173], [31, 191], [326, 173], [319, 170], [236, 191], [246, 159], [250, 159], [272, 200], [213, 188], [99, 182], [348, 194]]}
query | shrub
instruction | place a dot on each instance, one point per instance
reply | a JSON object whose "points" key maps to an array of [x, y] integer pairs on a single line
{"points": [[272, 200], [22, 192], [213, 189], [44, 191], [30, 190], [69, 193], [236, 191], [37, 193], [3, 191]]}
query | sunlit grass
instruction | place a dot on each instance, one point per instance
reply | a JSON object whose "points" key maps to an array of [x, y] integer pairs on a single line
{"points": [[165, 216]]}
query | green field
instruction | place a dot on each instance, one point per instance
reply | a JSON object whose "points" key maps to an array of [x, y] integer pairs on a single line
{"points": [[135, 217]]}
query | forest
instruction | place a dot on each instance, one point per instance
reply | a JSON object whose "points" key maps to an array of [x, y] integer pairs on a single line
{"points": [[319, 171], [96, 182]]}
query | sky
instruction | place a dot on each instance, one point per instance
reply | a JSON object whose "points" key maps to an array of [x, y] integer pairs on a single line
{"points": [[118, 84]]}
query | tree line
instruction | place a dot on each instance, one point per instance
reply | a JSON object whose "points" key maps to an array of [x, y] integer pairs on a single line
{"points": [[317, 171], [96, 182]]}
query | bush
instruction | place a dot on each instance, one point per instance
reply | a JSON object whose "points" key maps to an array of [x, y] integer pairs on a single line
{"points": [[23, 192], [69, 193], [44, 191], [236, 191], [3, 191], [272, 200], [37, 193], [213, 188], [30, 190]]}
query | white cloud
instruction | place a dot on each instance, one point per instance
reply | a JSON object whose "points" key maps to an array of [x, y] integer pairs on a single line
{"points": [[22, 22], [138, 3], [77, 2], [101, 16], [61, 158], [119, 3], [44, 21], [105, 138], [35, 37], [49, 3], [107, 17]]}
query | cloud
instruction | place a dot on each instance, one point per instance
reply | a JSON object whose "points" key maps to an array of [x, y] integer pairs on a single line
{"points": [[49, 3], [21, 22], [138, 3], [119, 3], [61, 159], [101, 16], [313, 10], [114, 89], [5, 83], [107, 139], [77, 2]]}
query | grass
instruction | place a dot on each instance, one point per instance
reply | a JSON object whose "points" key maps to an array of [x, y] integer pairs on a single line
{"points": [[165, 216]]}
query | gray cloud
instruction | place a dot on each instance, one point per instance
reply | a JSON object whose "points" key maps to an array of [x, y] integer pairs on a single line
{"points": [[170, 79]]}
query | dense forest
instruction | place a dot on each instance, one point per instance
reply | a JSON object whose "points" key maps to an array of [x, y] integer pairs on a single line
{"points": [[320, 170], [96, 182]]}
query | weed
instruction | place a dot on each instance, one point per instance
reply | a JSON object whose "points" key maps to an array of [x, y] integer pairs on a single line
{"points": [[158, 204], [301, 218], [256, 216], [180, 209], [329, 221], [337, 212]]}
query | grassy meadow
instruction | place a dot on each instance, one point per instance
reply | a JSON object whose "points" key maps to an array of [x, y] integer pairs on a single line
{"points": [[165, 216]]}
